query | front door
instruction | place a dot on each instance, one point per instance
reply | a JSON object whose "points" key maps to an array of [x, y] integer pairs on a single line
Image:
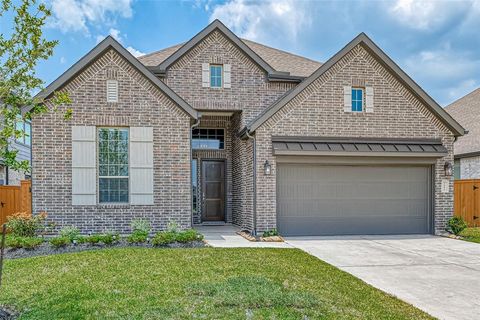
{"points": [[213, 190]]}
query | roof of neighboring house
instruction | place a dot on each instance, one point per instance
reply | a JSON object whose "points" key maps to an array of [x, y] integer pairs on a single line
{"points": [[110, 43], [466, 111], [364, 40], [280, 60], [278, 64]]}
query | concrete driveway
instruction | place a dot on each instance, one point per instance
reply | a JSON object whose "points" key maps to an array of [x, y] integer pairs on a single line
{"points": [[438, 275]]}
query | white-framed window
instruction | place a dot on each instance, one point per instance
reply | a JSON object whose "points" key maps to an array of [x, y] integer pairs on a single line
{"points": [[113, 165], [216, 72], [208, 138], [25, 127], [357, 99]]}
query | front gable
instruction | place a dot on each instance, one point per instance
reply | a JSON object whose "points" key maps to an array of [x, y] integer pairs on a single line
{"points": [[361, 63]]}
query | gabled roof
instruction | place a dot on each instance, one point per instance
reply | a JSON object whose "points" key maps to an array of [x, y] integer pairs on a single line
{"points": [[280, 60], [110, 43], [363, 39], [273, 74], [466, 111]]}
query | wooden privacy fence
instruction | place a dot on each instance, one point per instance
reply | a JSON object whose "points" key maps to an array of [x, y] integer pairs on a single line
{"points": [[15, 199], [467, 201]]}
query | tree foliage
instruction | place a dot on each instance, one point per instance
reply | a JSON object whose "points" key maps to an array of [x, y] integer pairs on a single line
{"points": [[22, 47]]}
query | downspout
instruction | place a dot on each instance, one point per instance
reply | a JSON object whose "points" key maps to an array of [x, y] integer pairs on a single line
{"points": [[196, 124], [247, 133]]}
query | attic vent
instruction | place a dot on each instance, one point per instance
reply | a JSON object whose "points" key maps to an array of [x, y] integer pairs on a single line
{"points": [[112, 91]]}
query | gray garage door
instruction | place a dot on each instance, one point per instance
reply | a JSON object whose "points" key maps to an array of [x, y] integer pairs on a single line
{"points": [[342, 200]]}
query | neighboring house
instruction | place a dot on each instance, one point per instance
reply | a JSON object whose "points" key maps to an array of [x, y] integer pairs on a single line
{"points": [[225, 130], [23, 145], [466, 111]]}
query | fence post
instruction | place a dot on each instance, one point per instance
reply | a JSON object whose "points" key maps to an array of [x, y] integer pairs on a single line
{"points": [[2, 246]]}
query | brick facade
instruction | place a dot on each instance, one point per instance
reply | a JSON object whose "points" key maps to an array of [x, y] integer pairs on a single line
{"points": [[140, 104], [470, 168], [316, 111]]}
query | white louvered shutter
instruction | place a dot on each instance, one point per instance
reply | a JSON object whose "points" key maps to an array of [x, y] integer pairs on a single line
{"points": [[112, 91], [141, 165], [205, 75], [84, 174], [347, 98], [227, 79], [369, 99]]}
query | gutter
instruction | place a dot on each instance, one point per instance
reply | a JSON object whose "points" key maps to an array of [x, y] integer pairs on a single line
{"points": [[196, 124], [247, 134]]}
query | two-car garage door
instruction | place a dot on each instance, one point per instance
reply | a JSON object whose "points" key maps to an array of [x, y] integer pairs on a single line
{"points": [[340, 200]]}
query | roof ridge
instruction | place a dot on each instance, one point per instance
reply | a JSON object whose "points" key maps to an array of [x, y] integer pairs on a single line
{"points": [[161, 50], [281, 50], [461, 98]]}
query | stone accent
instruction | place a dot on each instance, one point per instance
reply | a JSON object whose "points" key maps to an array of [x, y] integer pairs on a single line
{"points": [[318, 111], [470, 168], [140, 104]]}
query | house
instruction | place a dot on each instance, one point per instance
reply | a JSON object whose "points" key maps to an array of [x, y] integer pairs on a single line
{"points": [[8, 176], [224, 130], [466, 111]]}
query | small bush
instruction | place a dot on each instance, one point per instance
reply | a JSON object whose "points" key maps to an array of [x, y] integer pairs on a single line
{"points": [[163, 238], [93, 239], [138, 237], [189, 235], [70, 232], [270, 233], [16, 242], [60, 242], [456, 225], [24, 225], [172, 227], [140, 225], [109, 238]]}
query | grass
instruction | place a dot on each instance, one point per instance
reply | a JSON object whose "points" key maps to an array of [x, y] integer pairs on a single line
{"points": [[471, 234], [206, 283]]}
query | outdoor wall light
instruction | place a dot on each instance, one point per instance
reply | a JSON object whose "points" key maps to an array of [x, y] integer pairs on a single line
{"points": [[448, 169], [267, 168]]}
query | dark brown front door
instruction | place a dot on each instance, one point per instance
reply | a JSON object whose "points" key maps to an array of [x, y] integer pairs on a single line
{"points": [[213, 190]]}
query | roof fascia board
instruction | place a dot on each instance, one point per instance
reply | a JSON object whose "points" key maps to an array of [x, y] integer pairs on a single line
{"points": [[89, 58], [354, 140], [359, 154], [216, 24], [362, 38], [467, 155]]}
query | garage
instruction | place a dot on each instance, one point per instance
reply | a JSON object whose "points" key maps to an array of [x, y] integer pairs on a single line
{"points": [[372, 192]]}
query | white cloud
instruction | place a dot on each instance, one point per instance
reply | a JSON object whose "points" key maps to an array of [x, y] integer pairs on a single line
{"points": [[117, 35], [428, 14], [63, 60], [79, 15], [264, 20]]}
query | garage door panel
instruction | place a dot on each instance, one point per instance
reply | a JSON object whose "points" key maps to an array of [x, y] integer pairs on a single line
{"points": [[352, 199]]}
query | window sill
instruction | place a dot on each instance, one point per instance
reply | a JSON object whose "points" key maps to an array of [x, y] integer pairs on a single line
{"points": [[114, 205]]}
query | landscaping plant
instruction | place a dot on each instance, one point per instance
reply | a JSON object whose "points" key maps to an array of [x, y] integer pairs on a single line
{"points": [[270, 233], [60, 242], [140, 230], [163, 238], [70, 232], [456, 225], [24, 225], [18, 242]]}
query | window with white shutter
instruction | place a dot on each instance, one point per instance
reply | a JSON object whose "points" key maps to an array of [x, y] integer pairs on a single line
{"points": [[347, 98], [112, 91], [84, 184], [369, 99], [227, 78], [205, 75], [141, 165]]}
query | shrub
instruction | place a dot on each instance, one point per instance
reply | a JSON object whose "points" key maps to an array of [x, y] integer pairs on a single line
{"points": [[60, 242], [109, 238], [93, 239], [16, 242], [189, 235], [270, 233], [70, 232], [137, 237], [172, 227], [24, 225], [456, 225], [140, 225], [163, 238]]}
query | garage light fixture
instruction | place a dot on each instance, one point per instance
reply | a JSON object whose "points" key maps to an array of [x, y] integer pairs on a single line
{"points": [[448, 168], [267, 168]]}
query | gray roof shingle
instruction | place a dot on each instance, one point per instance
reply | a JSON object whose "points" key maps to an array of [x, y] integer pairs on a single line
{"points": [[466, 111], [280, 60]]}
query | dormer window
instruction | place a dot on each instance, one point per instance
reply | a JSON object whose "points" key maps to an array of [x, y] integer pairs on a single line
{"points": [[216, 76]]}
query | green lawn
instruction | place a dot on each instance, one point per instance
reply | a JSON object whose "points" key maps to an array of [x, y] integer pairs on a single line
{"points": [[471, 234], [206, 283]]}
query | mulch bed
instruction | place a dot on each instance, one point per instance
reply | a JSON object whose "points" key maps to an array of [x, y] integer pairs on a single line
{"points": [[6, 314], [46, 249]]}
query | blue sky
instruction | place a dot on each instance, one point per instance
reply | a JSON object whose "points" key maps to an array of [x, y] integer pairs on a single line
{"points": [[436, 42]]}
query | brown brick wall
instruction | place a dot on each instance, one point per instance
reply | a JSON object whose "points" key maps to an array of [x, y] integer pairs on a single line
{"points": [[318, 111], [140, 104]]}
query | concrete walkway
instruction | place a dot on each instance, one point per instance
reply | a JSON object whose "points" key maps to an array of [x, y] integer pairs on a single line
{"points": [[438, 275], [225, 236]]}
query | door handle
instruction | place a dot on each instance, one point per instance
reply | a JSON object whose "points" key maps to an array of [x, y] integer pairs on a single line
{"points": [[475, 217], [2, 203]]}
